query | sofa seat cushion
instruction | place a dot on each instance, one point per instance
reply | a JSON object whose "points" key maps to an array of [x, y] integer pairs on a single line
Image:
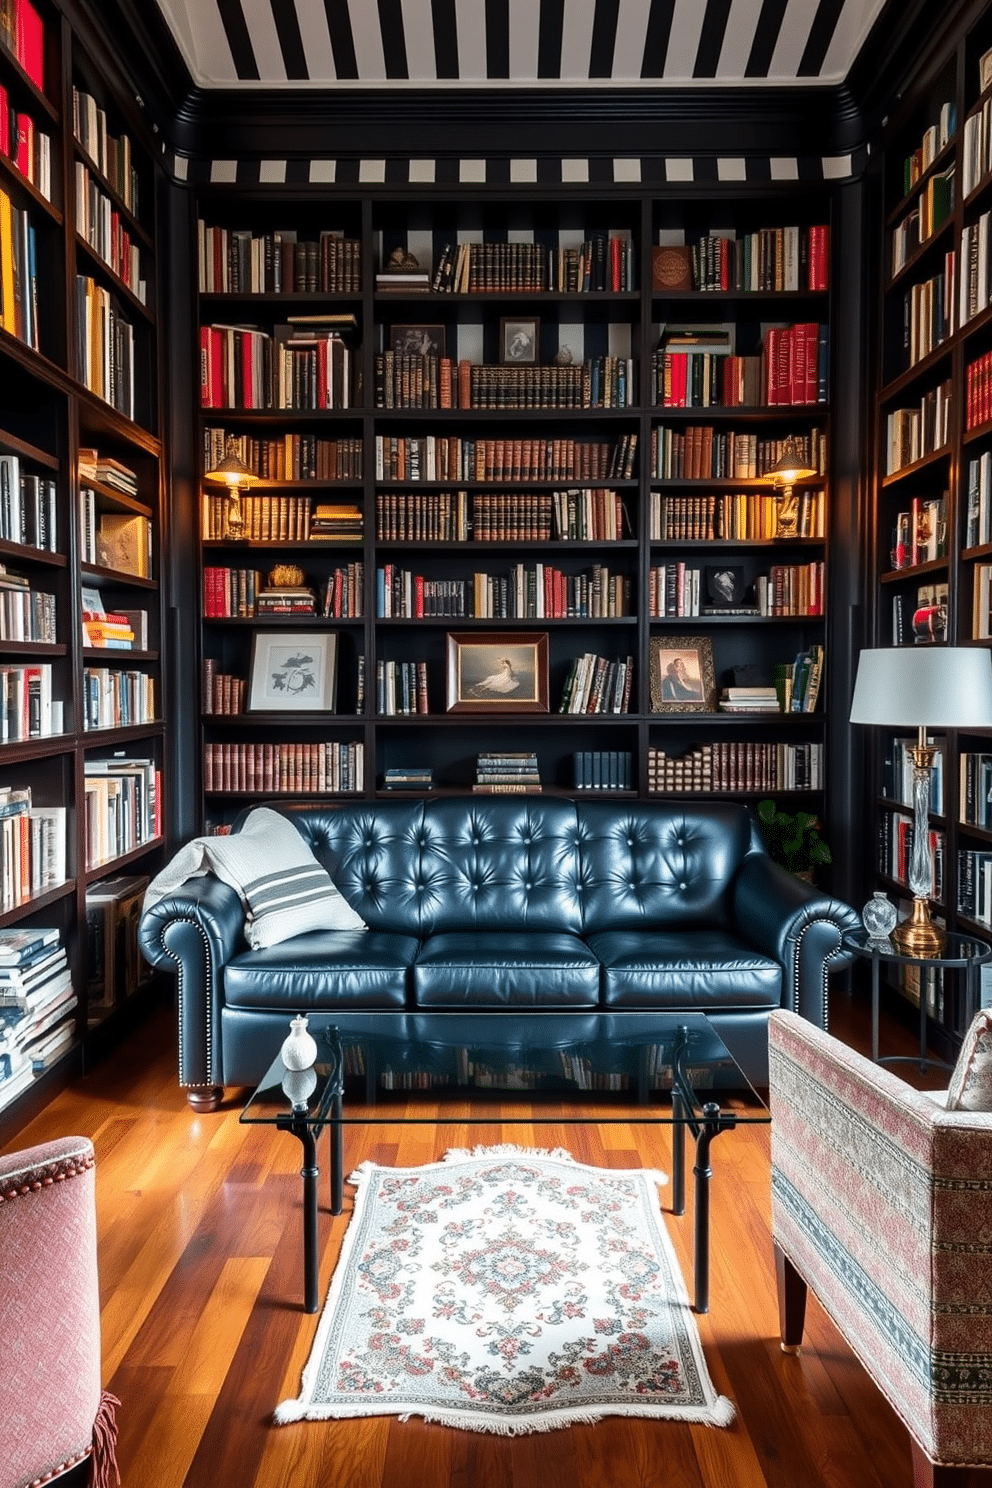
{"points": [[700, 969], [327, 969], [505, 968]]}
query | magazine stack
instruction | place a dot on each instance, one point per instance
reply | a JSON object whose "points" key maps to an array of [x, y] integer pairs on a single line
{"points": [[37, 1006]]}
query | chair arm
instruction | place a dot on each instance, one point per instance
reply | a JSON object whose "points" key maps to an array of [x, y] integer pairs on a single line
{"points": [[194, 931], [798, 925], [882, 1201]]}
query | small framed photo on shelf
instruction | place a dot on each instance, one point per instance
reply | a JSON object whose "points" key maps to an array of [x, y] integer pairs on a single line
{"points": [[725, 585], [519, 340], [497, 673], [293, 673], [417, 340], [682, 675]]}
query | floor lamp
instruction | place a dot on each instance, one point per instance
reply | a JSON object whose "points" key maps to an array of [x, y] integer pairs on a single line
{"points": [[931, 687]]}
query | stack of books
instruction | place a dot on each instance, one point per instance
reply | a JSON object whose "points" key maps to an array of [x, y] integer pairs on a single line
{"points": [[286, 599], [749, 700], [409, 777], [336, 522], [37, 1003], [94, 466], [507, 772], [403, 281]]}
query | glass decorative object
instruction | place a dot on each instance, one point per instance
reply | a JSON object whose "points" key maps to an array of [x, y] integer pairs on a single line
{"points": [[879, 916], [299, 1050]]}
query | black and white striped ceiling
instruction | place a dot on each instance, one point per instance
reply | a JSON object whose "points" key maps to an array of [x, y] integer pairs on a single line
{"points": [[392, 43]]}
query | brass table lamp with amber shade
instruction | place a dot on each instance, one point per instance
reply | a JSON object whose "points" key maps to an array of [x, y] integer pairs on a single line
{"points": [[926, 688]]}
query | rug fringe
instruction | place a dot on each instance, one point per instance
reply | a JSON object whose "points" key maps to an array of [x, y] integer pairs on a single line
{"points": [[499, 1149], [721, 1413]]}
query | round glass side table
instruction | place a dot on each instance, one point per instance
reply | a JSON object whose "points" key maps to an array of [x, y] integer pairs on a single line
{"points": [[963, 953]]}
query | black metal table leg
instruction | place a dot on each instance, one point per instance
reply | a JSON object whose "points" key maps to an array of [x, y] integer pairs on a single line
{"points": [[679, 1114], [712, 1124], [336, 1140], [310, 1173]]}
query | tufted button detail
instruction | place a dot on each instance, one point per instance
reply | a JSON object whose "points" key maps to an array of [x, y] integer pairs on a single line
{"points": [[683, 885]]}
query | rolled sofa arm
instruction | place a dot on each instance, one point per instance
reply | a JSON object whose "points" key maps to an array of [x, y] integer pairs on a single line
{"points": [[798, 925], [194, 931]]}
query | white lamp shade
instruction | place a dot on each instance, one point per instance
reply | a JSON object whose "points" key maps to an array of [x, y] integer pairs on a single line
{"points": [[938, 687]]}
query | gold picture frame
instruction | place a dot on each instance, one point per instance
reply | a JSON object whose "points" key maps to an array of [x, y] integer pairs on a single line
{"points": [[497, 672], [681, 674]]}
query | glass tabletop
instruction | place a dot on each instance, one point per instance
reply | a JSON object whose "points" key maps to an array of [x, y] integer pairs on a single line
{"points": [[959, 949], [573, 1069]]}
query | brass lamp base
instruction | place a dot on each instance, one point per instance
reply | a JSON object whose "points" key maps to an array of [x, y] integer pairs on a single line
{"points": [[919, 936]]}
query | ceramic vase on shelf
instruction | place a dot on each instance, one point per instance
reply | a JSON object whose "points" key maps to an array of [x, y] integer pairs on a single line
{"points": [[299, 1050]]}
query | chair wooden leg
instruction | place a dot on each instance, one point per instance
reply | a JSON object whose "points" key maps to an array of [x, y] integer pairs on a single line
{"points": [[927, 1474], [205, 1098], [791, 1301]]}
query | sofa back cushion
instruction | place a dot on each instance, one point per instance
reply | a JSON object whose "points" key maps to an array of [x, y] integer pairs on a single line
{"points": [[372, 851], [655, 863]]}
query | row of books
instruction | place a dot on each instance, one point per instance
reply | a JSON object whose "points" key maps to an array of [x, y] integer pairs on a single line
{"points": [[99, 223], [677, 589], [111, 154], [974, 884], [113, 698], [976, 268], [432, 457], [981, 617], [433, 382], [105, 342], [115, 969], [299, 366], [896, 777], [895, 850], [37, 1007], [288, 457], [232, 261], [122, 807], [913, 433], [975, 789], [32, 846], [978, 391], [535, 592], [934, 206], [223, 692], [603, 769], [602, 262], [919, 616], [790, 370], [507, 772], [590, 514], [18, 273], [595, 684], [26, 614], [748, 516], [284, 769], [920, 534], [28, 148], [702, 452], [928, 312], [978, 523], [401, 687], [754, 765], [263, 518], [27, 506], [23, 35], [27, 708], [933, 140], [976, 147], [770, 260]]}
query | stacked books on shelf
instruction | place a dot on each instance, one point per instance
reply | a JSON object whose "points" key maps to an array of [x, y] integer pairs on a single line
{"points": [[935, 205], [286, 599], [115, 967], [408, 777], [291, 457], [737, 766], [108, 471], [27, 708], [27, 506], [975, 804], [106, 346], [111, 154], [704, 452], [744, 516], [285, 769], [978, 391], [912, 433], [507, 772], [236, 262], [99, 224], [400, 687], [335, 521], [595, 684], [26, 614], [604, 261], [771, 260], [223, 692], [32, 846], [978, 529], [109, 630], [452, 458], [755, 699], [974, 884], [122, 805], [344, 593], [114, 698], [603, 769], [37, 1005]]}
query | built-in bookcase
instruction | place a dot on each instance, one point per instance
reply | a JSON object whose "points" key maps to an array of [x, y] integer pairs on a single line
{"points": [[502, 456], [79, 353]]}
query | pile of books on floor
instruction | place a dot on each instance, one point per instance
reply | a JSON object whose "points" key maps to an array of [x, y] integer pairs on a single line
{"points": [[37, 1007], [409, 777], [507, 772], [749, 700]]}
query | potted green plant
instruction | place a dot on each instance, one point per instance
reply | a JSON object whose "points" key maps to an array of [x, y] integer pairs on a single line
{"points": [[793, 841]]}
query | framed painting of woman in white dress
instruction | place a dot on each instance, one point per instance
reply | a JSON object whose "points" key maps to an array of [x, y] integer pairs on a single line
{"points": [[504, 673]]}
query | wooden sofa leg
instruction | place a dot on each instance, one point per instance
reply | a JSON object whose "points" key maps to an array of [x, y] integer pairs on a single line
{"points": [[205, 1098], [927, 1474], [791, 1301]]}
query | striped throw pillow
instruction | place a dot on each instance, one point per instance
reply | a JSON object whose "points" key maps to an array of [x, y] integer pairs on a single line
{"points": [[284, 889], [971, 1083]]}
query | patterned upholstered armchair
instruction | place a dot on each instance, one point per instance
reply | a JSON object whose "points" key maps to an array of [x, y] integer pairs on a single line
{"points": [[53, 1416], [882, 1205]]}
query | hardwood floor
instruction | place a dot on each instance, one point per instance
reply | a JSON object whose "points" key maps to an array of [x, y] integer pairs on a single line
{"points": [[203, 1333]]}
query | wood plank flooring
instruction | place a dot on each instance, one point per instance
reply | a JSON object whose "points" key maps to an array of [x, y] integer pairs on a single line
{"points": [[203, 1332]]}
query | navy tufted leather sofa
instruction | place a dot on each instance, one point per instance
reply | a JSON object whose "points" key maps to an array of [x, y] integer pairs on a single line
{"points": [[590, 908]]}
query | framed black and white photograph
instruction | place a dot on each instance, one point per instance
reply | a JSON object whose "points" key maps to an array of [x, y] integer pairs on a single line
{"points": [[497, 673], [293, 673], [519, 339], [681, 674], [724, 585], [417, 340]]}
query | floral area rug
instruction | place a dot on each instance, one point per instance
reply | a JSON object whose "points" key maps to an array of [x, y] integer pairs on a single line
{"points": [[508, 1291]]}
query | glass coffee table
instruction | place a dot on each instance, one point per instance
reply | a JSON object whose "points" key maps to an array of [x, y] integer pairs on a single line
{"points": [[665, 1069]]}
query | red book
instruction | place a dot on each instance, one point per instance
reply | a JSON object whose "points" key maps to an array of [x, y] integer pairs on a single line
{"points": [[247, 359], [30, 42], [25, 146], [4, 123], [418, 596]]}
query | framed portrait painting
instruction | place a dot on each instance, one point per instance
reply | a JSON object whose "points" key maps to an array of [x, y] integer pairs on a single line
{"points": [[293, 673], [682, 675], [497, 673], [519, 340]]}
